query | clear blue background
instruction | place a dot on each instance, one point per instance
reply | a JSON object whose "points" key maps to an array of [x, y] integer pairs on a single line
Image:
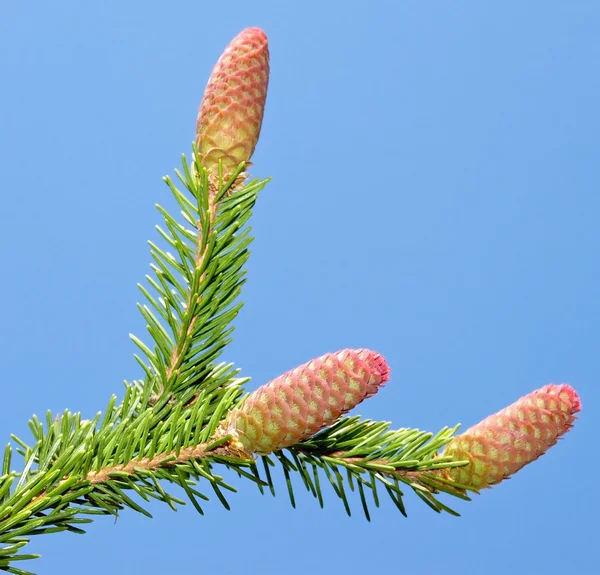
{"points": [[435, 197]]}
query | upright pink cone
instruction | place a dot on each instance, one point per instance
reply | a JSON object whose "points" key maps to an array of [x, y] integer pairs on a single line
{"points": [[505, 442], [231, 112], [299, 403]]}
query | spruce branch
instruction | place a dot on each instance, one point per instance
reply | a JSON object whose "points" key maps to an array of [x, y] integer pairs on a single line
{"points": [[189, 418], [191, 299], [213, 246]]}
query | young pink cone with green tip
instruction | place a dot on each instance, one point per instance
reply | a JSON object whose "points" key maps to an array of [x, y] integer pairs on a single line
{"points": [[299, 403], [505, 442], [231, 112]]}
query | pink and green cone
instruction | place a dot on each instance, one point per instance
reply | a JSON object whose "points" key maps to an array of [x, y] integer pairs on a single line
{"points": [[505, 442], [299, 403], [231, 112]]}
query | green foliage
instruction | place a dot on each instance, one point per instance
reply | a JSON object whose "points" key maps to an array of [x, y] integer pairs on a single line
{"points": [[166, 428]]}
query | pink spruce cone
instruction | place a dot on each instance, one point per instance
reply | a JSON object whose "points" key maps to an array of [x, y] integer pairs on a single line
{"points": [[232, 108], [299, 403], [505, 442]]}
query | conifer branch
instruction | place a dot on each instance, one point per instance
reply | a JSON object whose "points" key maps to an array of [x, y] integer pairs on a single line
{"points": [[189, 416], [183, 331]]}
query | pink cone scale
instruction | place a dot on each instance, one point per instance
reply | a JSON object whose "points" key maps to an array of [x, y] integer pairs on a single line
{"points": [[505, 442], [299, 403], [231, 111]]}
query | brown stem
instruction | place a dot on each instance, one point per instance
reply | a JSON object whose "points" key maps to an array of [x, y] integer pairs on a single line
{"points": [[161, 460], [413, 476], [231, 448]]}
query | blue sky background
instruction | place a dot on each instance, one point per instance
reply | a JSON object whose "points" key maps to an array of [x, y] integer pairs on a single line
{"points": [[435, 197]]}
